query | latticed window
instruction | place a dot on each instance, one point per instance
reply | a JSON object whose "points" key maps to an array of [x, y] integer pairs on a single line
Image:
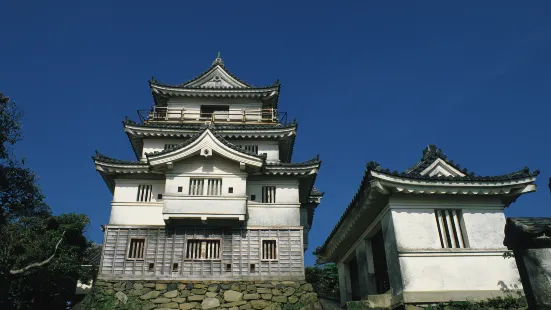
{"points": [[144, 193], [450, 228], [203, 249], [253, 148], [268, 194], [197, 187], [136, 248], [269, 249], [169, 146]]}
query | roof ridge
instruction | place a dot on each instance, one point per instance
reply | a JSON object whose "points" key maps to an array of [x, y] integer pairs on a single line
{"points": [[430, 154], [315, 160]]}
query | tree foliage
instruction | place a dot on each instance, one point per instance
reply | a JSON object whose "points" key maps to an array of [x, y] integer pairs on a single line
{"points": [[324, 279], [31, 234]]}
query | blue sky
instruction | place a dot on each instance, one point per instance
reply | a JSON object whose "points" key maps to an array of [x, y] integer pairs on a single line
{"points": [[366, 80]]}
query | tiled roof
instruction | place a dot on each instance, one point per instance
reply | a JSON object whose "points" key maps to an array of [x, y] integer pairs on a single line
{"points": [[218, 127], [314, 161], [105, 159], [316, 193], [529, 227], [363, 186], [218, 136], [214, 65], [430, 154]]}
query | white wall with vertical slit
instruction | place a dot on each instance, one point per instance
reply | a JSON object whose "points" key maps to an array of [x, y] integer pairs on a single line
{"points": [[426, 266]]}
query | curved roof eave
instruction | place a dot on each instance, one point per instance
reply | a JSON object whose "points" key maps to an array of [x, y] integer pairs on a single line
{"points": [[223, 147], [431, 153]]}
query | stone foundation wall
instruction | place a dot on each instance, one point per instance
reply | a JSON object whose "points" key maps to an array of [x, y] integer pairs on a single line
{"points": [[233, 295]]}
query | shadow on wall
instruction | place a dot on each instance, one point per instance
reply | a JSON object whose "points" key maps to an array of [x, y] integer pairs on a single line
{"points": [[509, 289]]}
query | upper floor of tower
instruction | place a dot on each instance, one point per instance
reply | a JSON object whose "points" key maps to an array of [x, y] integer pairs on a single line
{"points": [[216, 95]]}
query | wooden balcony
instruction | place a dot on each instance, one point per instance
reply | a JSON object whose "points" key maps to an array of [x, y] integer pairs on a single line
{"points": [[253, 116]]}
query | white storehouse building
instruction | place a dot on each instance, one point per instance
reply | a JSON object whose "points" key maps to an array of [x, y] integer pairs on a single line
{"points": [[213, 193], [433, 233]]}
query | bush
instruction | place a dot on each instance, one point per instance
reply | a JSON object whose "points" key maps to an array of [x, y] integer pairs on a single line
{"points": [[507, 302], [324, 279]]}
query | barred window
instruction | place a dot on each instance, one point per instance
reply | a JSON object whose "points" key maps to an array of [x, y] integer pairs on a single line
{"points": [[203, 249], [136, 248], [197, 187], [253, 148], [144, 193], [449, 224], [269, 249], [268, 194]]}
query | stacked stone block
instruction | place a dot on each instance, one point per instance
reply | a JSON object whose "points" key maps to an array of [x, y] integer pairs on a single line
{"points": [[237, 295]]}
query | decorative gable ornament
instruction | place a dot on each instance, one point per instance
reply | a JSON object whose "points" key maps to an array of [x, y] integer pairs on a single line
{"points": [[440, 168]]}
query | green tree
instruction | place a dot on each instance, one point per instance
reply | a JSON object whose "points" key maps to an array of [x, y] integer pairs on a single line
{"points": [[324, 279], [40, 254]]}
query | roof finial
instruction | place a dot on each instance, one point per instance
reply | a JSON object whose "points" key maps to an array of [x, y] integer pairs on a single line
{"points": [[218, 60]]}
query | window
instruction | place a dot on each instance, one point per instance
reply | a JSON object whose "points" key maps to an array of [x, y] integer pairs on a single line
{"points": [[203, 249], [197, 187], [208, 110], [269, 249], [159, 196], [151, 267], [144, 193], [268, 194], [180, 189], [136, 248], [449, 224], [169, 146], [253, 197], [230, 190], [250, 148], [252, 268], [175, 267], [228, 267]]}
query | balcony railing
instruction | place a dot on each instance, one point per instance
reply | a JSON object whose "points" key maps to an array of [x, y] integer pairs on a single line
{"points": [[164, 114]]}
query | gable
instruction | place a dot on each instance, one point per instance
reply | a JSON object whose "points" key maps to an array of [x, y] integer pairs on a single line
{"points": [[205, 144], [441, 168], [217, 77], [206, 165]]}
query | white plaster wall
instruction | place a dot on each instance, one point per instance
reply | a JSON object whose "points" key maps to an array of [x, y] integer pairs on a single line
{"points": [[136, 214], [425, 266], [273, 215], [127, 190], [485, 228], [470, 272], [156, 145], [270, 148], [416, 227], [204, 205], [212, 167], [286, 190], [286, 210]]}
